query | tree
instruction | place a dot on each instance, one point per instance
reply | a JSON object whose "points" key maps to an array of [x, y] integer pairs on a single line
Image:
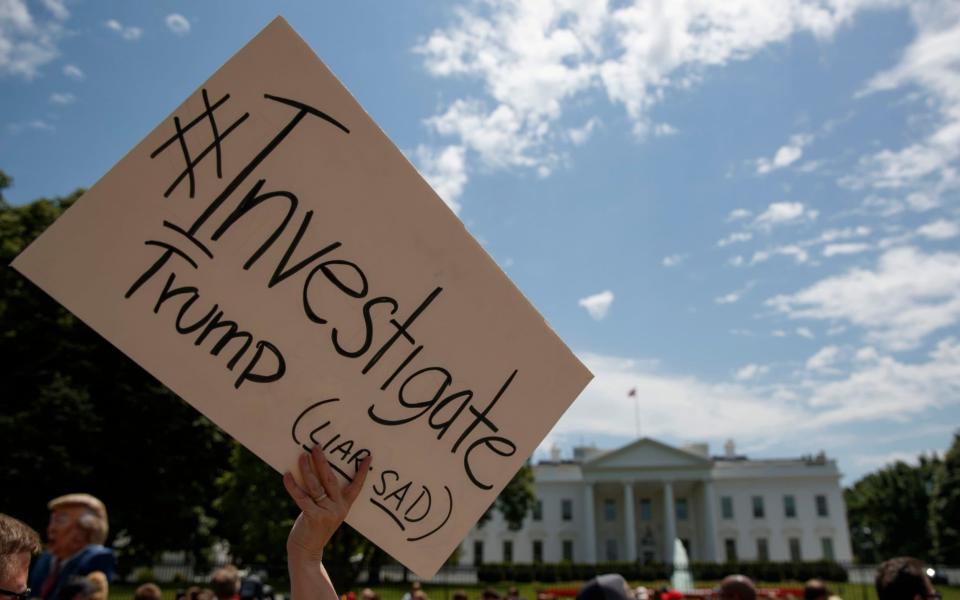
{"points": [[516, 500], [945, 507], [78, 415], [888, 511]]}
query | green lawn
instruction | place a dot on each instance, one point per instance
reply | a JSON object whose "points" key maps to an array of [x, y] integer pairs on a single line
{"points": [[847, 591]]}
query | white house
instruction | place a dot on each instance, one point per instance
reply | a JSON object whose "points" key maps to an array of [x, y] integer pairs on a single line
{"points": [[629, 504]]}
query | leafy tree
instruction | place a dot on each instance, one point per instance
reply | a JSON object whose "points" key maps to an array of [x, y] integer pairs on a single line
{"points": [[888, 511], [78, 415], [945, 507], [515, 500]]}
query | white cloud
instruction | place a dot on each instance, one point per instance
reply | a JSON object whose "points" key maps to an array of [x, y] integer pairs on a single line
{"points": [[785, 155], [735, 295], [733, 238], [34, 125], [939, 230], [29, 41], [73, 72], [908, 296], [750, 371], [579, 135], [62, 98], [738, 214], [928, 63], [825, 358], [684, 407], [445, 171], [127, 32], [673, 260], [177, 24], [736, 261], [843, 249], [534, 59], [799, 255], [804, 332], [784, 213], [597, 305]]}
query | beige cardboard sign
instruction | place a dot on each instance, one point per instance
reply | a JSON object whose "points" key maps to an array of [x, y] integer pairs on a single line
{"points": [[269, 255]]}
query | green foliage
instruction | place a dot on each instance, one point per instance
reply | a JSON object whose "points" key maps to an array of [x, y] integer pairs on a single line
{"points": [[888, 511], [78, 415], [515, 500], [632, 571], [945, 507]]}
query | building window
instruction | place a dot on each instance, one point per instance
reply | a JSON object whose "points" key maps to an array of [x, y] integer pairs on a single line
{"points": [[611, 549], [646, 509], [763, 550], [477, 553], [822, 506], [682, 510], [566, 509], [826, 544], [686, 547], [789, 506], [795, 554], [730, 545], [610, 510], [726, 507], [648, 556], [537, 551], [568, 550], [507, 551], [758, 512], [537, 510]]}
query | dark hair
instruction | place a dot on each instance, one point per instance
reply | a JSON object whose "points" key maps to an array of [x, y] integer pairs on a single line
{"points": [[815, 588], [225, 582], [148, 591], [901, 578]]}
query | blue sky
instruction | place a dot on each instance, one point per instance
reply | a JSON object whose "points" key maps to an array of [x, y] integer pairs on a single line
{"points": [[745, 210]]}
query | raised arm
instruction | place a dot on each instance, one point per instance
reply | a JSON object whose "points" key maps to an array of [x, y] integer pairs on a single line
{"points": [[324, 504]]}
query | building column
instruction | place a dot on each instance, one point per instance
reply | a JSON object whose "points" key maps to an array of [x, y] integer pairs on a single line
{"points": [[669, 522], [709, 523], [630, 521], [590, 527]]}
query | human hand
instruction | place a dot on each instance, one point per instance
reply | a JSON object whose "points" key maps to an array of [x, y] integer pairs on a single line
{"points": [[323, 501]]}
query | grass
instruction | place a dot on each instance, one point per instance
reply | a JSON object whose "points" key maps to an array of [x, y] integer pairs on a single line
{"points": [[847, 591]]}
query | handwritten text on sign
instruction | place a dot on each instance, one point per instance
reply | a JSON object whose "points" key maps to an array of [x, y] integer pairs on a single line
{"points": [[268, 254]]}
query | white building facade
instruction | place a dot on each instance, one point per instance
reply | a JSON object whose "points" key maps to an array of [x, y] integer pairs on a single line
{"points": [[629, 504]]}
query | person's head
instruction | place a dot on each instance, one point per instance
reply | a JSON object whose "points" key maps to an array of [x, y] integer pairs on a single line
{"points": [[415, 586], [611, 586], [76, 520], [490, 594], [904, 578], [513, 592], [737, 587], [77, 588], [148, 591], [815, 589], [18, 542], [368, 594], [101, 587], [460, 595], [225, 582]]}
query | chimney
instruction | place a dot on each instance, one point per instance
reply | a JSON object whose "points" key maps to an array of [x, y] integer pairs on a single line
{"points": [[555, 453], [729, 449]]}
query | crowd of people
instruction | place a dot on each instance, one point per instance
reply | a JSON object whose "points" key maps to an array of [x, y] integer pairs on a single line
{"points": [[77, 566]]}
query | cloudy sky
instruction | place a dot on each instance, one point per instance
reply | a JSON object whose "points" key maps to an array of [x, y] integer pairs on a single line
{"points": [[747, 211]]}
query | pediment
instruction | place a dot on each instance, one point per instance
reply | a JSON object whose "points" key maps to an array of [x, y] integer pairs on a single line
{"points": [[647, 453]]}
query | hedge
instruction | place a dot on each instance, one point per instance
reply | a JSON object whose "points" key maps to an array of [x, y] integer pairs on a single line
{"points": [[758, 571]]}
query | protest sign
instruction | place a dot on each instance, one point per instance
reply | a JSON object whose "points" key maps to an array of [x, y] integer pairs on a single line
{"points": [[268, 254]]}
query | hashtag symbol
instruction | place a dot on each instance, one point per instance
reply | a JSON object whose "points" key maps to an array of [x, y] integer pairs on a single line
{"points": [[180, 135]]}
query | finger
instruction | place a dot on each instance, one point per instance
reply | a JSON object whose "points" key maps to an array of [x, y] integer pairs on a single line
{"points": [[300, 497], [353, 489], [310, 482], [325, 474]]}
